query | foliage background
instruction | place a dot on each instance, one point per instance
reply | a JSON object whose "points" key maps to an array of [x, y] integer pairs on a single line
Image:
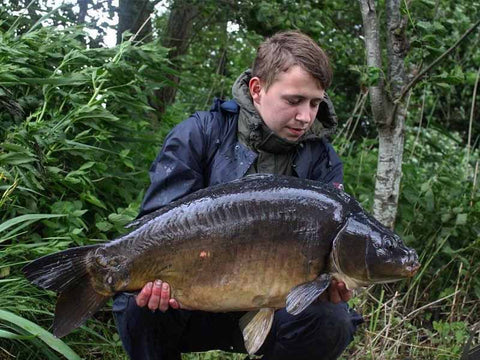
{"points": [[78, 132]]}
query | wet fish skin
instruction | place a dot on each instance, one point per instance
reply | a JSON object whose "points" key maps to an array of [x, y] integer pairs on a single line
{"points": [[250, 236], [244, 245]]}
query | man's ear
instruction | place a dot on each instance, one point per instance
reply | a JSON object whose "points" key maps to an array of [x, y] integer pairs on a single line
{"points": [[255, 87]]}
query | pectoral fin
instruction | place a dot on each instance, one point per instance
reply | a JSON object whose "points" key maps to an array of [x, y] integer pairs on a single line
{"points": [[255, 326], [303, 295]]}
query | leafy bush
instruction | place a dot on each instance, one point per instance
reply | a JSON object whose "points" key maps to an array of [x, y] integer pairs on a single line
{"points": [[77, 135]]}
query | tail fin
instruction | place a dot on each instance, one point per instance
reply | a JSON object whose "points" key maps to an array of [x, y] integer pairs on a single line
{"points": [[66, 272]]}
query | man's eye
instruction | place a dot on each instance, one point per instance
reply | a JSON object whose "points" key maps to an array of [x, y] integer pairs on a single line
{"points": [[293, 101]]}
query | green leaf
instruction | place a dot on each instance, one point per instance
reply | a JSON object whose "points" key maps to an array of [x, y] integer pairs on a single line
{"points": [[446, 217], [77, 231], [430, 200], [373, 75], [71, 79], [104, 226], [128, 163], [4, 271], [477, 291], [119, 219], [53, 169], [443, 85], [37, 331], [87, 165], [425, 186], [29, 217], [92, 199], [461, 219]]}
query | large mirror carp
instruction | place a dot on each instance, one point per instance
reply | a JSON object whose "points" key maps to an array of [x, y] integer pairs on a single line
{"points": [[255, 244]]}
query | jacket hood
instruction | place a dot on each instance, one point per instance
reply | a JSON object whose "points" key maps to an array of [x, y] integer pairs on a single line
{"points": [[325, 123]]}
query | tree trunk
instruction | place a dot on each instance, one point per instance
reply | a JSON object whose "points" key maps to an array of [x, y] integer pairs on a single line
{"points": [[33, 10], [217, 88], [390, 123], [134, 15], [177, 39], [378, 99], [83, 8]]}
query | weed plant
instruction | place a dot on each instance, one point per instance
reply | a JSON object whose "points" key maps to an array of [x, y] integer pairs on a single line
{"points": [[75, 134], [76, 137]]}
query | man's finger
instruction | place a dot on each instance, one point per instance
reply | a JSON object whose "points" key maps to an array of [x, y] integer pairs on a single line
{"points": [[174, 304], [334, 293], [144, 295], [344, 293], [347, 295], [155, 297], [164, 297]]}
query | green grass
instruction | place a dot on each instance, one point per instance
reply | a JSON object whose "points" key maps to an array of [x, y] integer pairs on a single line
{"points": [[73, 169]]}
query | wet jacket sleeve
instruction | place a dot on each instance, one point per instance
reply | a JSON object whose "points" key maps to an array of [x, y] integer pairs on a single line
{"points": [[178, 169]]}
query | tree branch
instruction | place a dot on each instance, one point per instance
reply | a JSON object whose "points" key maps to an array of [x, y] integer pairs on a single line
{"points": [[433, 64]]}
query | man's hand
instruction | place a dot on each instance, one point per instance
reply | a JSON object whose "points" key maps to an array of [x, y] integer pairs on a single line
{"points": [[337, 292], [156, 295]]}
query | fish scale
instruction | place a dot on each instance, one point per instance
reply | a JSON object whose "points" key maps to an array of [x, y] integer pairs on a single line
{"points": [[258, 243]]}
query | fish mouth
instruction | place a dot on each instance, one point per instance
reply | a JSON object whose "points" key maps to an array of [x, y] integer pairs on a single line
{"points": [[408, 271], [411, 270]]}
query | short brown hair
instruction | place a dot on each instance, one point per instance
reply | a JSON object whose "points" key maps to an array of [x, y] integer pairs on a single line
{"points": [[286, 49]]}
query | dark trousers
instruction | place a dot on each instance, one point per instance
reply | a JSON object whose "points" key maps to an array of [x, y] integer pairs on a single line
{"points": [[320, 332]]}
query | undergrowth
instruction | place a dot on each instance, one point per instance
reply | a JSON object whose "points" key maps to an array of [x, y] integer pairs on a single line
{"points": [[74, 150]]}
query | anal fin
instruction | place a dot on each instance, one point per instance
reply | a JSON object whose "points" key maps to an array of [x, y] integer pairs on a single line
{"points": [[255, 326], [301, 296], [75, 306]]}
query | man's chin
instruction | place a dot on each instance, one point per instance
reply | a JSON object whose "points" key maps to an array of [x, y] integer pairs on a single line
{"points": [[291, 137]]}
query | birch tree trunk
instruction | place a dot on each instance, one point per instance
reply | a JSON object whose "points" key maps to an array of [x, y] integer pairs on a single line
{"points": [[390, 123]]}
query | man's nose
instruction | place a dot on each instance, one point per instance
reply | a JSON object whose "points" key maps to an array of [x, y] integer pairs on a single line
{"points": [[304, 114]]}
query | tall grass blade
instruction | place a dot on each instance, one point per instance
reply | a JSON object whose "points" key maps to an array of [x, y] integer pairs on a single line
{"points": [[44, 17], [23, 218], [12, 336], [40, 333]]}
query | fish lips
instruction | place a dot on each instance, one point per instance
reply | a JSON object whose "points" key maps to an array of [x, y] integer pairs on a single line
{"points": [[411, 270]]}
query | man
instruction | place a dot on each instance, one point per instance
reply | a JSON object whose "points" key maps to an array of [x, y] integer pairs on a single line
{"points": [[275, 124]]}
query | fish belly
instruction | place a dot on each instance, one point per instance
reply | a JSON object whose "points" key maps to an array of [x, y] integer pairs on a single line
{"points": [[241, 278]]}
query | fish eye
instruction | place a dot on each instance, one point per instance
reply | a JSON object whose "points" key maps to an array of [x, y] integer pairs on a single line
{"points": [[389, 244]]}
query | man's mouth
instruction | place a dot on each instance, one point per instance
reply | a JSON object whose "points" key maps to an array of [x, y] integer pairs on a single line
{"points": [[296, 131]]}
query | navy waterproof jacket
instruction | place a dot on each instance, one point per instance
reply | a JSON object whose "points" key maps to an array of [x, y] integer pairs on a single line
{"points": [[204, 150]]}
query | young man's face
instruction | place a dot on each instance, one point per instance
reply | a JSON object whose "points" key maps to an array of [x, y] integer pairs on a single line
{"points": [[290, 104]]}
